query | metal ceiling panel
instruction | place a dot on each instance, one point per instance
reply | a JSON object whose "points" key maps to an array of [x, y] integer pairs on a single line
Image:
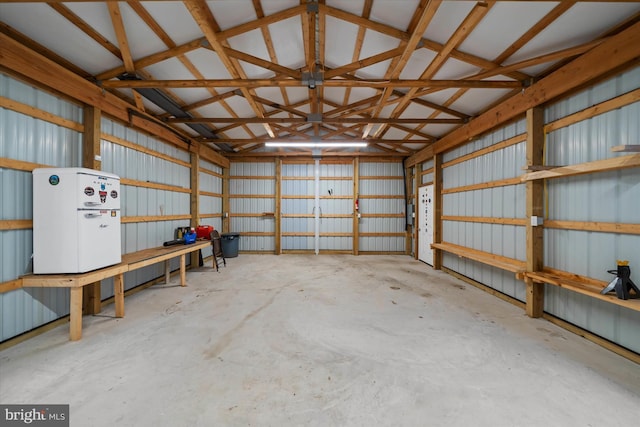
{"points": [[288, 44], [174, 19], [389, 12], [449, 16], [82, 36], [232, 13], [513, 19], [274, 6], [352, 6], [340, 39], [469, 102], [208, 63], [253, 44], [45, 26], [213, 110], [375, 43], [454, 69], [418, 62], [581, 23], [141, 39]]}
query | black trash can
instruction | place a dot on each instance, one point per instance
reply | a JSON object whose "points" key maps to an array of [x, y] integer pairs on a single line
{"points": [[230, 242]]}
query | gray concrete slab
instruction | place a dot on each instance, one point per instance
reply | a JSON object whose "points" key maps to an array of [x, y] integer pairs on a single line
{"points": [[324, 340]]}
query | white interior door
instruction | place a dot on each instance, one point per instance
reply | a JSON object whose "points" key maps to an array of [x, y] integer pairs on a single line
{"points": [[425, 224]]}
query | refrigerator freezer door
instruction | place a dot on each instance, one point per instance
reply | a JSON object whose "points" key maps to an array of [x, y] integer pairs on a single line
{"points": [[99, 238], [98, 192]]}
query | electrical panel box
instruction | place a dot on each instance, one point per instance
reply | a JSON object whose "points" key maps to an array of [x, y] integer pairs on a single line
{"points": [[410, 214]]}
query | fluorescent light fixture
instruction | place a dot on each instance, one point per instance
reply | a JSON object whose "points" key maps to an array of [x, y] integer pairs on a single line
{"points": [[315, 144]]}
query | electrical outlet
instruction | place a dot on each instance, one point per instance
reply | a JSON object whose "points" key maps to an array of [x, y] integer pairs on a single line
{"points": [[536, 221]]}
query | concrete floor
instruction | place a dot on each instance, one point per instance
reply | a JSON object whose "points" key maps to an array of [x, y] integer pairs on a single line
{"points": [[322, 341]]}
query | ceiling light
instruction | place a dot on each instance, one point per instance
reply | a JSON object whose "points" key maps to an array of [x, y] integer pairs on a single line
{"points": [[315, 144]]}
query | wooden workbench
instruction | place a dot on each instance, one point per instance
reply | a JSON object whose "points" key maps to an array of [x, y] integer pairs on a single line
{"points": [[130, 262]]}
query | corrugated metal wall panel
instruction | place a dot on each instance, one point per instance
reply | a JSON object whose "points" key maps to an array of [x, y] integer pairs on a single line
{"points": [[600, 197], [497, 202], [382, 244], [297, 206], [142, 201], [252, 169], [120, 130], [259, 199], [261, 187], [32, 140], [373, 201], [30, 95], [210, 205]]}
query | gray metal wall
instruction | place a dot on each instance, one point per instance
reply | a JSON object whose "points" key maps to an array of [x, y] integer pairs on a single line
{"points": [[32, 140], [292, 204], [36, 141], [498, 202], [600, 197], [141, 201], [338, 204], [250, 199], [210, 206], [385, 196]]}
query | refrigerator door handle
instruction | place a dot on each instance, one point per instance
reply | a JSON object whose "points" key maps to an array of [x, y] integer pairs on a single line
{"points": [[92, 203], [92, 215]]}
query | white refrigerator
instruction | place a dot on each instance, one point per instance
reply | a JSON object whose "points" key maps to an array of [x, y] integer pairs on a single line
{"points": [[76, 220]]}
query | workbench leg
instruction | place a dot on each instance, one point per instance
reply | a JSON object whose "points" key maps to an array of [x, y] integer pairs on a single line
{"points": [[118, 294], [75, 314], [183, 270], [92, 303], [167, 271]]}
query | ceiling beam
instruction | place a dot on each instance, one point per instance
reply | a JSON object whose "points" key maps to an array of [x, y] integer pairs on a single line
{"points": [[267, 65], [85, 28], [374, 120], [611, 54], [155, 58], [123, 43], [266, 34], [459, 35], [253, 83], [201, 13], [415, 38]]}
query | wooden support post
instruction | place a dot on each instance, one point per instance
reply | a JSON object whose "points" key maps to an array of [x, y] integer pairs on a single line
{"points": [[417, 181], [195, 189], [437, 209], [225, 200], [91, 159], [75, 314], [183, 270], [356, 194], [91, 138], [278, 208], [408, 185], [118, 294], [535, 207]]}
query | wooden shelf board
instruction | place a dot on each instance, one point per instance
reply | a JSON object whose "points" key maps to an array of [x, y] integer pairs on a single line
{"points": [[614, 163], [504, 263], [585, 288]]}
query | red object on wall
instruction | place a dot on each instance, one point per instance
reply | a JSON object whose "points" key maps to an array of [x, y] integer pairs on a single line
{"points": [[204, 231]]}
